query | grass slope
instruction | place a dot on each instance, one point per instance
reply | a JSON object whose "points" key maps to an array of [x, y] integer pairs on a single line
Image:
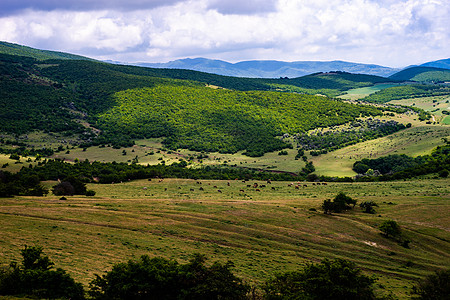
{"points": [[261, 232]]}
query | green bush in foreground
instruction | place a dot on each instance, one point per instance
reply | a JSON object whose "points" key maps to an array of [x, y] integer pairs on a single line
{"points": [[159, 278], [34, 278], [330, 279], [434, 287]]}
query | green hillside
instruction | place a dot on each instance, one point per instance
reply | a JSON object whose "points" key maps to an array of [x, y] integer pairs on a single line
{"points": [[15, 49], [126, 103], [422, 74], [203, 119]]}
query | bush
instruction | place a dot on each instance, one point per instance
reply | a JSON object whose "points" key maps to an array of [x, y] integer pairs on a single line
{"points": [[443, 174], [90, 193], [330, 279], [434, 286], [34, 278], [368, 207], [159, 278], [340, 203]]}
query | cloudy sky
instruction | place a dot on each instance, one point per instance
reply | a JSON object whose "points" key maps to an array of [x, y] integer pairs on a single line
{"points": [[393, 33]]}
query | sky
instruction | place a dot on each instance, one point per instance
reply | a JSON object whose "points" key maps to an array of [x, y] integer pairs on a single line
{"points": [[394, 33]]}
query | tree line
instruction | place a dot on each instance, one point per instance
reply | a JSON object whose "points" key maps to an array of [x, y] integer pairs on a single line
{"points": [[394, 167]]}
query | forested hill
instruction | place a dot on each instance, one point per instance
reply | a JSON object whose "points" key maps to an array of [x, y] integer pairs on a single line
{"points": [[184, 107], [423, 74], [15, 49]]}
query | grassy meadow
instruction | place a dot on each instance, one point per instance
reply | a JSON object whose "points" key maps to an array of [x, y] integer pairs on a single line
{"points": [[435, 105], [278, 228], [359, 93]]}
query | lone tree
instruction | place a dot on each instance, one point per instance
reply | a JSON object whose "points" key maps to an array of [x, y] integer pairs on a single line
{"points": [[340, 203], [70, 186], [330, 279], [390, 228]]}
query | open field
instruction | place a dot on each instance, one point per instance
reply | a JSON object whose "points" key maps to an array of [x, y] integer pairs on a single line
{"points": [[263, 232], [359, 93], [420, 139], [435, 105]]}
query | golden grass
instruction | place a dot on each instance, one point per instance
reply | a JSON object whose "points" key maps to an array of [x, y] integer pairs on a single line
{"points": [[261, 232]]}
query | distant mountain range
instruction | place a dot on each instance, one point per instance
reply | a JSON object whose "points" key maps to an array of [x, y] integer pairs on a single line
{"points": [[254, 68], [277, 69], [271, 68]]}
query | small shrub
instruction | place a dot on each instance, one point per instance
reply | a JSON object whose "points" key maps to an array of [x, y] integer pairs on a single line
{"points": [[90, 193], [443, 174], [14, 156], [340, 203], [368, 207]]}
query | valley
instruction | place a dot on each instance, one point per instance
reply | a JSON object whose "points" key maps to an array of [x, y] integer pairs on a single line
{"points": [[174, 162]]}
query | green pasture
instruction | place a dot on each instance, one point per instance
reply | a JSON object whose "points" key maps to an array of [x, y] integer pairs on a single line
{"points": [[13, 165], [275, 229], [359, 93], [446, 120]]}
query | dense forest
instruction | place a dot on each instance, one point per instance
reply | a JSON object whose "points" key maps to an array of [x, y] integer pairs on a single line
{"points": [[204, 119], [422, 74]]}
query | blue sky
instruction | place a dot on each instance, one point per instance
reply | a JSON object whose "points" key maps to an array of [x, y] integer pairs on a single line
{"points": [[393, 33]]}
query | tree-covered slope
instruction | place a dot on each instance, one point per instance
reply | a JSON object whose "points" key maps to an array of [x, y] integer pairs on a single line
{"points": [[15, 49], [204, 119]]}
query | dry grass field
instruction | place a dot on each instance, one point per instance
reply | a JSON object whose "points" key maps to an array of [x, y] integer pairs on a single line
{"points": [[277, 228]]}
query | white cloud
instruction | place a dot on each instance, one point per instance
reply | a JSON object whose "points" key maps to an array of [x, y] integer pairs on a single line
{"points": [[389, 32]]}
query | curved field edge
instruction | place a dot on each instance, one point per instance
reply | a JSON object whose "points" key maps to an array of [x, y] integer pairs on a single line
{"points": [[261, 232], [420, 139]]}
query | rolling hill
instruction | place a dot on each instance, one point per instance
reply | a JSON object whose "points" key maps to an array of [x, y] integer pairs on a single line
{"points": [[422, 74]]}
